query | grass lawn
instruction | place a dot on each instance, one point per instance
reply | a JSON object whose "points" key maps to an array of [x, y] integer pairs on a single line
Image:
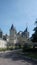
{"points": [[30, 52], [32, 55]]}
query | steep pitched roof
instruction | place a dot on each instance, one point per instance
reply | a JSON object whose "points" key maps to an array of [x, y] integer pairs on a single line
{"points": [[23, 33], [26, 30], [12, 27]]}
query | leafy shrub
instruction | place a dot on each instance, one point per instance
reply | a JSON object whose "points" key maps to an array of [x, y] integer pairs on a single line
{"points": [[10, 48]]}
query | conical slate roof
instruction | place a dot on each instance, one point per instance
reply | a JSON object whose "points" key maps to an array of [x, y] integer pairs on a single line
{"points": [[26, 30], [23, 33], [12, 27]]}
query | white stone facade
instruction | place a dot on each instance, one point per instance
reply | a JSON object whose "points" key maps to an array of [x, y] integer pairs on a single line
{"points": [[3, 43], [13, 37]]}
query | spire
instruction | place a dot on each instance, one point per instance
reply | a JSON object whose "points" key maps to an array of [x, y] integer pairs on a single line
{"points": [[26, 29], [12, 27]]}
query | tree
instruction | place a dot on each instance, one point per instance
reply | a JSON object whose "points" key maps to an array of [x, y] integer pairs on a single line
{"points": [[34, 35]]}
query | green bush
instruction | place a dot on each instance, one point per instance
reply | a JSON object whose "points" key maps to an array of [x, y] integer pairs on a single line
{"points": [[18, 46], [26, 47], [3, 49], [10, 48]]}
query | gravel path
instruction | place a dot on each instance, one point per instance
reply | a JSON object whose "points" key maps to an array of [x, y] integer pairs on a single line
{"points": [[12, 58]]}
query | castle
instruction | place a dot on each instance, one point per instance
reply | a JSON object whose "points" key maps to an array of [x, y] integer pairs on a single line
{"points": [[14, 37]]}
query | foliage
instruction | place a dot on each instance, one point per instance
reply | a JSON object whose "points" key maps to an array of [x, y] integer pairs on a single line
{"points": [[30, 50], [17, 46], [3, 49], [34, 35], [26, 46], [10, 48], [31, 55]]}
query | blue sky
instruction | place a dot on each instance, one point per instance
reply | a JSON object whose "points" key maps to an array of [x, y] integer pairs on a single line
{"points": [[21, 13]]}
